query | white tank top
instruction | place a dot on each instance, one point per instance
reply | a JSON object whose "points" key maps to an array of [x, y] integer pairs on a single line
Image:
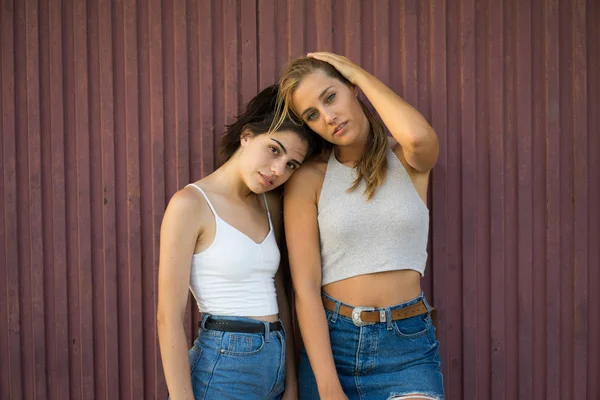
{"points": [[235, 276], [359, 237]]}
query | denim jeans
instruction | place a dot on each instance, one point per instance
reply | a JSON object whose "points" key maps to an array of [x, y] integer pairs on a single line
{"points": [[382, 360], [230, 365]]}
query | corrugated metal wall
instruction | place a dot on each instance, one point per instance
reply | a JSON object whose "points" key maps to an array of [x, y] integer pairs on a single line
{"points": [[108, 107]]}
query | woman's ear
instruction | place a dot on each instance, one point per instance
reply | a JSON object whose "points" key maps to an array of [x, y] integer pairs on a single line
{"points": [[246, 136]]}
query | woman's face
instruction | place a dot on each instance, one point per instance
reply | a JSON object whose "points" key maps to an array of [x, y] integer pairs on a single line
{"points": [[268, 160], [330, 108]]}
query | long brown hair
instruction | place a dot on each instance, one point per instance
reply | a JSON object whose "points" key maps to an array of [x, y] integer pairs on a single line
{"points": [[258, 117], [372, 166]]}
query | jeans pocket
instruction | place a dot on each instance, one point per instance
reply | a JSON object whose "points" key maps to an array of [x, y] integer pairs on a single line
{"points": [[414, 327], [194, 355], [242, 344]]}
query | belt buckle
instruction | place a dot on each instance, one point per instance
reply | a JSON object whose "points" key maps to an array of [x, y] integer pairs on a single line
{"points": [[356, 319]]}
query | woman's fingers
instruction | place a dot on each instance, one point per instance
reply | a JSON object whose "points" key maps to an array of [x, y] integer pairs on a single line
{"points": [[346, 67], [326, 56]]}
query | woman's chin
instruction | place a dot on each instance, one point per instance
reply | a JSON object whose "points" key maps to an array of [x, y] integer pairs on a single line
{"points": [[259, 188]]}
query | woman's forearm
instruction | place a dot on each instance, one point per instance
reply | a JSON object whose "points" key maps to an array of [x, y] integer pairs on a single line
{"points": [[406, 124], [315, 335], [291, 380], [174, 354]]}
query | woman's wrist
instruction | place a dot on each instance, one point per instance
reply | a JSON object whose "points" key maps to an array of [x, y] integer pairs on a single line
{"points": [[362, 78], [329, 386]]}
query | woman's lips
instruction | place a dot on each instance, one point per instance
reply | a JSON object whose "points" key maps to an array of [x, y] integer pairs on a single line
{"points": [[266, 181], [339, 129]]}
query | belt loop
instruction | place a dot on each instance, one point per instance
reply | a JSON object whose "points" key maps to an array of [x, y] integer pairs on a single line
{"points": [[283, 328], [424, 300], [267, 330], [336, 312], [203, 323], [388, 318]]}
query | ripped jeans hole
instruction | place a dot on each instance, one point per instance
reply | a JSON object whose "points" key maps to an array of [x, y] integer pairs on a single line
{"points": [[412, 397]]}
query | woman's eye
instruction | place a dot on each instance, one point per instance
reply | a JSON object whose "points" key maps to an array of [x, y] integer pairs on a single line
{"points": [[311, 116], [292, 166], [274, 149], [330, 97]]}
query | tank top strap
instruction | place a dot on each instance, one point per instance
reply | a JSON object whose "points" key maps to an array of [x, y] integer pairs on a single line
{"points": [[205, 197], [267, 207]]}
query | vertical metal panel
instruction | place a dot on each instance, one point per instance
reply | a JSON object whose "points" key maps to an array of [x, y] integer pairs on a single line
{"points": [[520, 104], [109, 107], [10, 362], [53, 191], [102, 132], [593, 254]]}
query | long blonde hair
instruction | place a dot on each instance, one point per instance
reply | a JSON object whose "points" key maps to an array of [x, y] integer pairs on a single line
{"points": [[372, 166]]}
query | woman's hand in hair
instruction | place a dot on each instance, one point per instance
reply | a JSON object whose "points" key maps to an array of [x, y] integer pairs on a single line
{"points": [[350, 70], [418, 141]]}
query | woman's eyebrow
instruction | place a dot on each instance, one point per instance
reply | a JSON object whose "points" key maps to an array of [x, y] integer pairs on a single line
{"points": [[320, 97], [280, 144]]}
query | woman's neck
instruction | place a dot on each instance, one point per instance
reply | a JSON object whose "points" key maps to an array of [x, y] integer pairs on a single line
{"points": [[350, 155], [228, 179]]}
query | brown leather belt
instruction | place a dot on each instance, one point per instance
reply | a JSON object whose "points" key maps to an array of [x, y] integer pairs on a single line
{"points": [[362, 316]]}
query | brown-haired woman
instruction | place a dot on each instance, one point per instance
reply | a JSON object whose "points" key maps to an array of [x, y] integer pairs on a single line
{"points": [[356, 223], [219, 238]]}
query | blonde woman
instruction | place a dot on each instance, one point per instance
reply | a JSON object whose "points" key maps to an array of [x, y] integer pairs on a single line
{"points": [[356, 224]]}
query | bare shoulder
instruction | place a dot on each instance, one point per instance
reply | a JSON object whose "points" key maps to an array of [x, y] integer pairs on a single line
{"points": [[188, 199], [308, 179], [187, 207], [316, 165], [274, 199]]}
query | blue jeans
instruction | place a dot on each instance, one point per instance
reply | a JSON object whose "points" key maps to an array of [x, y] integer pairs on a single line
{"points": [[382, 360], [230, 365]]}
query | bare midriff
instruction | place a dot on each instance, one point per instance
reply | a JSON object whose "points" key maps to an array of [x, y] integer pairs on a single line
{"points": [[382, 289]]}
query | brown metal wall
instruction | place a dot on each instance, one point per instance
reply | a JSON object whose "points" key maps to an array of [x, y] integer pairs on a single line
{"points": [[108, 107]]}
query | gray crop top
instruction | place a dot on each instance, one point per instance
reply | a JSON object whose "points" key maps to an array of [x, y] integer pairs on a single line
{"points": [[357, 237]]}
